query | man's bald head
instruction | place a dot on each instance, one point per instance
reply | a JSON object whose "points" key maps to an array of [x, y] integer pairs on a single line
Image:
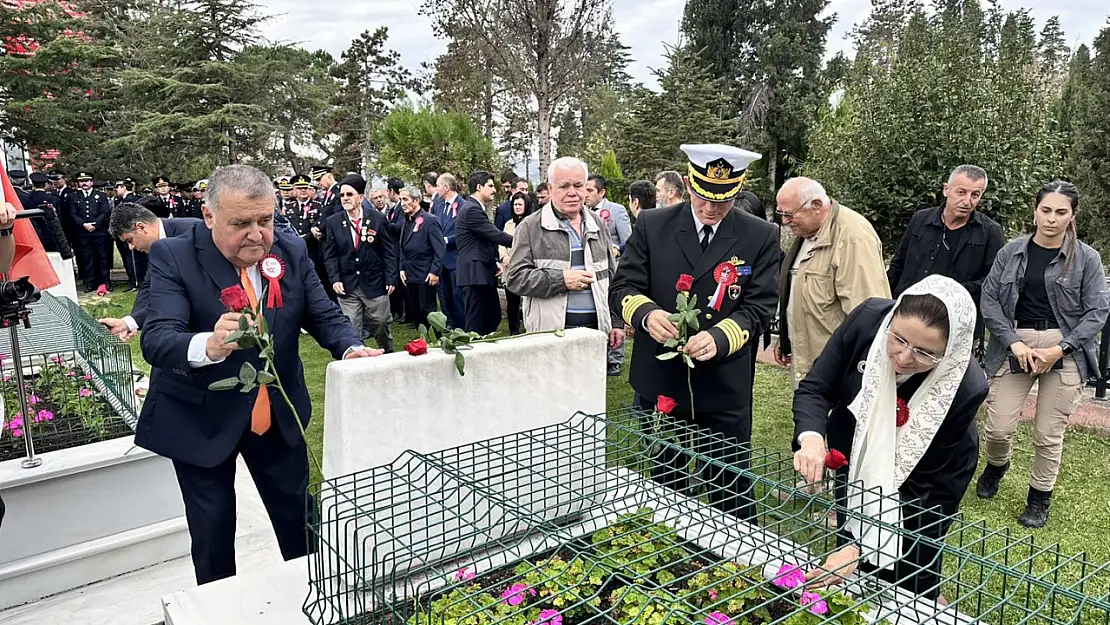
{"points": [[803, 205]]}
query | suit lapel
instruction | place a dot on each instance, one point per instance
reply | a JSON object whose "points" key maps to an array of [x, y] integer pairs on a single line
{"points": [[719, 247], [218, 268], [686, 237]]}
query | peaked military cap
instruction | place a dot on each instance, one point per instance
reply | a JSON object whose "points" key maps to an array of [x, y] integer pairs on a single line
{"points": [[201, 185], [283, 183], [38, 177], [319, 170], [717, 172], [161, 180], [301, 181], [82, 176]]}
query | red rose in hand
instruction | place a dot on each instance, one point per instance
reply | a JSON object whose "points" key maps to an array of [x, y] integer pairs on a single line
{"points": [[665, 404], [416, 347], [235, 299], [903, 412], [685, 282], [835, 460]]}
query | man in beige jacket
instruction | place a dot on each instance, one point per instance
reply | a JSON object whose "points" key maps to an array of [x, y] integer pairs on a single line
{"points": [[835, 264]]}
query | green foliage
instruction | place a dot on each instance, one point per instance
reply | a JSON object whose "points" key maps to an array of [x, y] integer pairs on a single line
{"points": [[1088, 128], [639, 548], [412, 141], [963, 87]]}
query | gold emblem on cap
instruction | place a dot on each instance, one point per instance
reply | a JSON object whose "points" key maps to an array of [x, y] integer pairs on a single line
{"points": [[718, 172]]}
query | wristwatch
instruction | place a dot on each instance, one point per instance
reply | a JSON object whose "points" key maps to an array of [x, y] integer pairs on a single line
{"points": [[7, 232], [1067, 348]]}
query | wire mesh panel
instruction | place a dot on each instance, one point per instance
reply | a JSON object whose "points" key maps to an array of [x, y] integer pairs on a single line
{"points": [[78, 379], [642, 519]]}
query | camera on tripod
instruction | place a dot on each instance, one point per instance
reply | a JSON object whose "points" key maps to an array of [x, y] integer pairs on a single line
{"points": [[15, 297]]}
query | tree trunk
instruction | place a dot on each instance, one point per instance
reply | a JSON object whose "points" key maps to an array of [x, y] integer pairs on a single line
{"points": [[487, 112], [543, 124], [772, 167]]}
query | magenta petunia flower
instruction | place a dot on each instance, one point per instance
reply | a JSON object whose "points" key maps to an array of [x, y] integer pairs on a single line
{"points": [[71, 374], [86, 377], [46, 415], [712, 594], [56, 360], [465, 574], [789, 576], [816, 604], [719, 618], [548, 617], [85, 392], [17, 433], [514, 595], [33, 399]]}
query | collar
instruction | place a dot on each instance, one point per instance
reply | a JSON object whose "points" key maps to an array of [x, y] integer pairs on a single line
{"points": [[549, 219], [824, 235], [1065, 249], [935, 217], [698, 225], [161, 230]]}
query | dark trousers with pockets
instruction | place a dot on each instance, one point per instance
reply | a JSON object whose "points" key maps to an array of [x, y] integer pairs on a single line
{"points": [[513, 311], [450, 300], [420, 302], [94, 255], [281, 474], [483, 308], [127, 255], [727, 490]]}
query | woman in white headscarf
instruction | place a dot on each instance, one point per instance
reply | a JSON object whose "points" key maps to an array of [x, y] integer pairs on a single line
{"points": [[896, 392]]}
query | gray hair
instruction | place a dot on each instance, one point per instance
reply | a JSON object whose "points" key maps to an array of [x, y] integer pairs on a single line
{"points": [[239, 179], [673, 180], [566, 162], [808, 190], [413, 192], [973, 172]]}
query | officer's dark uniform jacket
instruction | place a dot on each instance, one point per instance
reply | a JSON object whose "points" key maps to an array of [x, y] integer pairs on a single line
{"points": [[664, 245]]}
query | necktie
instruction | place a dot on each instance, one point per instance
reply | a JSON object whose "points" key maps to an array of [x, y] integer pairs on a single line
{"points": [[260, 415], [355, 223], [706, 232]]}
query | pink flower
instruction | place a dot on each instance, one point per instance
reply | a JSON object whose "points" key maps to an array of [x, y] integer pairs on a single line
{"points": [[789, 576], [7, 378], [17, 433], [71, 374], [464, 574], [86, 377], [719, 618], [45, 415], [56, 360], [85, 393], [548, 617], [514, 595], [17, 421], [33, 399], [816, 604], [712, 594]]}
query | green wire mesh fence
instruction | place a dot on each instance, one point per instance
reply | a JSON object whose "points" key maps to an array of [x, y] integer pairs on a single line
{"points": [[78, 379], [638, 519]]}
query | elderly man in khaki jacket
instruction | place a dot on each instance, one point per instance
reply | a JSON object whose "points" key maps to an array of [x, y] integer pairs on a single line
{"points": [[562, 260], [835, 264]]}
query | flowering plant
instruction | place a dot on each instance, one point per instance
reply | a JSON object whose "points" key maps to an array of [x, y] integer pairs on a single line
{"points": [[254, 332], [456, 340], [686, 320]]}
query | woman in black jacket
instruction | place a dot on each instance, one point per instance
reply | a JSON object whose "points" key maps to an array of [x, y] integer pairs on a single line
{"points": [[896, 392]]}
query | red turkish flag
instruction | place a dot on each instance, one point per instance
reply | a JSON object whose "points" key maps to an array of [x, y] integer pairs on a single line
{"points": [[30, 257]]}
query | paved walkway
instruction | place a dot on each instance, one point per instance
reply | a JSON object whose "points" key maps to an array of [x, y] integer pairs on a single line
{"points": [[1092, 413]]}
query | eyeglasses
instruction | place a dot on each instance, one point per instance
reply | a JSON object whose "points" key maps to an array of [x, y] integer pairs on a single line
{"points": [[348, 194], [919, 354], [790, 214]]}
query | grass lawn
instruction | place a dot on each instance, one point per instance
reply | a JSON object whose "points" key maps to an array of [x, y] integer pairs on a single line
{"points": [[1080, 517]]}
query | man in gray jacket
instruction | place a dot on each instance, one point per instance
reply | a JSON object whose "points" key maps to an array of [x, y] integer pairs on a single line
{"points": [[562, 260]]}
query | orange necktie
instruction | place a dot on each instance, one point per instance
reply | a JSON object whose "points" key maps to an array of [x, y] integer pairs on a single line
{"points": [[260, 415]]}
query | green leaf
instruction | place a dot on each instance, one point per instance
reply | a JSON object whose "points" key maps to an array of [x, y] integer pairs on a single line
{"points": [[693, 302], [668, 356], [438, 321], [247, 373], [247, 342], [225, 384], [674, 317], [267, 352], [265, 377], [680, 301], [248, 387], [671, 343], [244, 323], [692, 321], [689, 361], [233, 337], [460, 363], [423, 331]]}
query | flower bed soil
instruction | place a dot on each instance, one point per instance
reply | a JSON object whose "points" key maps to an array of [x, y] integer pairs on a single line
{"points": [[65, 410]]}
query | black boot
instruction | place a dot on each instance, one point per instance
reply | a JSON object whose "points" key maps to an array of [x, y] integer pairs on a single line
{"points": [[1036, 508], [987, 486]]}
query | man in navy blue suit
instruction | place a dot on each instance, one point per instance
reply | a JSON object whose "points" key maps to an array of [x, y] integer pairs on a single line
{"points": [[138, 228], [185, 342], [477, 270], [450, 297]]}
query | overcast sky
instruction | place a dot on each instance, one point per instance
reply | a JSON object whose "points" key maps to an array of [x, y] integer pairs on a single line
{"points": [[645, 25]]}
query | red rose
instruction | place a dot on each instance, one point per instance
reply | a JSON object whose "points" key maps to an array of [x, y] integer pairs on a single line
{"points": [[102, 290], [903, 412], [665, 404], [685, 282], [835, 460], [235, 299], [416, 347]]}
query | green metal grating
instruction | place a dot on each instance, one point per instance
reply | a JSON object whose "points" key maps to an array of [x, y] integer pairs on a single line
{"points": [[568, 511]]}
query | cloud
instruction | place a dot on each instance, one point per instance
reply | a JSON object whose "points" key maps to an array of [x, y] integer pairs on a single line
{"points": [[644, 25]]}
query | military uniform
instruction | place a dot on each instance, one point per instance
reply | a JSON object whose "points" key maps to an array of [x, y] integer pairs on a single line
{"points": [[735, 270], [329, 198], [168, 205], [94, 250], [191, 207], [304, 216], [50, 231], [133, 264]]}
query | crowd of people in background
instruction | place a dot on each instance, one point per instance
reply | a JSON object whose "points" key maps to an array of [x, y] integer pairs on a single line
{"points": [[396, 252]]}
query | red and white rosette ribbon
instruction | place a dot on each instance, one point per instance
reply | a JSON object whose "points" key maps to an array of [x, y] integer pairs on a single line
{"points": [[419, 222], [273, 269], [605, 214], [725, 274]]}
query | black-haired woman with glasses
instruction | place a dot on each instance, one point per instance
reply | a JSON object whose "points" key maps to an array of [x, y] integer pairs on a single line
{"points": [[1044, 302], [895, 392]]}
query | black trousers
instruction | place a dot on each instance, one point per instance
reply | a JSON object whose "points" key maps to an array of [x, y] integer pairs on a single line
{"points": [[727, 490], [450, 299], [94, 256], [281, 474], [420, 302], [483, 309], [397, 301], [127, 255], [316, 254], [142, 261], [513, 311]]}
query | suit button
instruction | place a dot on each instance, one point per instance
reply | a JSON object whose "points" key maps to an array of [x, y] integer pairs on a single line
{"points": [[358, 272]]}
